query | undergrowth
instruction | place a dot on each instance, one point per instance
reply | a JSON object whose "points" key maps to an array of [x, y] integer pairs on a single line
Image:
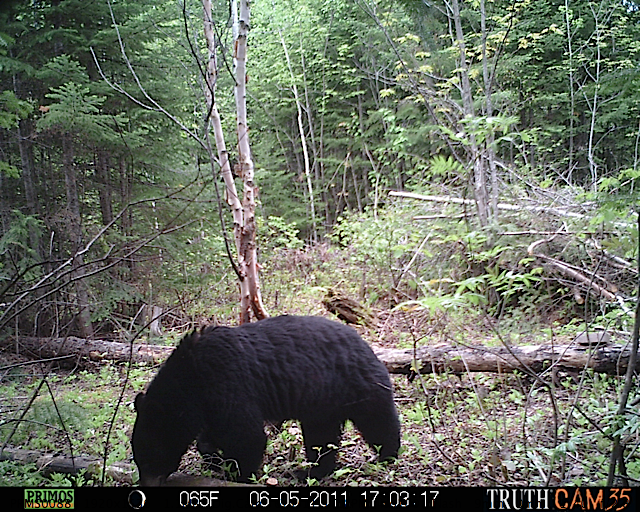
{"points": [[442, 285]]}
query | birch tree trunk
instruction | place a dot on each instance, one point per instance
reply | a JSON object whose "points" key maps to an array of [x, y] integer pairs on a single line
{"points": [[248, 249], [568, 19], [244, 223], [593, 104]]}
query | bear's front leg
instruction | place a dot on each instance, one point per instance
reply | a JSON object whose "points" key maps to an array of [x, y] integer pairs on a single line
{"points": [[242, 447]]}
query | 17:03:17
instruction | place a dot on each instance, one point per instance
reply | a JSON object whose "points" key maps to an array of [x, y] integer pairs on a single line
{"points": [[397, 498]]}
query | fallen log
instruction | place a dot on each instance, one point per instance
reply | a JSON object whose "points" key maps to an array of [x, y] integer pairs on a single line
{"points": [[610, 359], [93, 350], [49, 463], [122, 472], [602, 358]]}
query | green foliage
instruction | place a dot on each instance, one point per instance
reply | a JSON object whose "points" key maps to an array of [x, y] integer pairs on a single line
{"points": [[444, 268], [12, 109], [276, 233], [76, 111], [443, 166], [9, 170], [442, 303], [44, 412], [14, 474], [61, 70], [116, 294], [617, 197], [384, 244], [17, 255]]}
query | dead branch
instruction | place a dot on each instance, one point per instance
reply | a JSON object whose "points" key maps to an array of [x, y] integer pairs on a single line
{"points": [[588, 280], [500, 206], [614, 260]]}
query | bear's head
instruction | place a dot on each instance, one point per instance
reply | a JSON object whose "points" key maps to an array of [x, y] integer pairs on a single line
{"points": [[157, 447]]}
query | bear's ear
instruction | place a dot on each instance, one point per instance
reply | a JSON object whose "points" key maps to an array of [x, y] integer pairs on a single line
{"points": [[139, 401]]}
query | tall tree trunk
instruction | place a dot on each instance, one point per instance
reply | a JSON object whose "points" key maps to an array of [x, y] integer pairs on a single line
{"points": [[104, 186], [75, 232], [25, 145], [303, 142], [314, 147], [594, 103], [126, 183], [28, 167], [231, 194], [489, 154], [479, 175], [572, 98], [374, 165], [29, 177]]}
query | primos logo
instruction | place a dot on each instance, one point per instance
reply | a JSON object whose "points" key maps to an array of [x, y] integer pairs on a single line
{"points": [[48, 499]]}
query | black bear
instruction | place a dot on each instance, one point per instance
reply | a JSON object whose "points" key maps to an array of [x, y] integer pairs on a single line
{"points": [[221, 384]]}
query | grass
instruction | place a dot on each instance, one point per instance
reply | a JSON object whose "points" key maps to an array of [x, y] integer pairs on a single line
{"points": [[77, 412]]}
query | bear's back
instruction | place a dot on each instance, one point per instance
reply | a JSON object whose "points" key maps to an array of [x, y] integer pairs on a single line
{"points": [[284, 340], [291, 365]]}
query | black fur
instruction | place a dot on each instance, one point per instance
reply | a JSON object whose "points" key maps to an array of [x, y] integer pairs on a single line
{"points": [[220, 385]]}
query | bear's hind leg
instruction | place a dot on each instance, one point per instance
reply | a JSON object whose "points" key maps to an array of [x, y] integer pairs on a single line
{"points": [[317, 438], [380, 427]]}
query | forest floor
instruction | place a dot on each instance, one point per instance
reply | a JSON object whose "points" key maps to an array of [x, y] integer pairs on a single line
{"points": [[457, 430], [475, 429]]}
